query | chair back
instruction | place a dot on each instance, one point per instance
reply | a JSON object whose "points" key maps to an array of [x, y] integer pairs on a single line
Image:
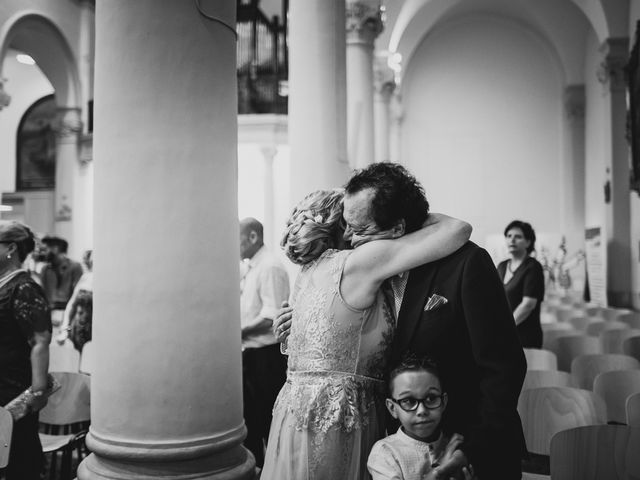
{"points": [[633, 410], [612, 340], [63, 358], [546, 411], [546, 378], [86, 358], [614, 388], [592, 311], [70, 404], [596, 452], [569, 347], [581, 323], [538, 359], [585, 368], [611, 313], [631, 347], [554, 331], [6, 429], [632, 319], [596, 328]]}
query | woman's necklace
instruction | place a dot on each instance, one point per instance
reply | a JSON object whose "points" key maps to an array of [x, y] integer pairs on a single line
{"points": [[513, 270]]}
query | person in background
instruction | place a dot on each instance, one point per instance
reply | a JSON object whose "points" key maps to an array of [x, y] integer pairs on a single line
{"points": [[420, 449], [84, 284], [25, 334], [264, 286], [58, 277], [79, 330], [523, 281]]}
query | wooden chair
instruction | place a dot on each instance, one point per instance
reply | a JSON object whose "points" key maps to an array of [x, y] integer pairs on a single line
{"points": [[614, 388], [612, 340], [6, 429], [596, 452], [596, 328], [538, 359], [592, 311], [546, 411], [631, 347], [585, 368], [581, 323], [63, 358], [65, 420], [86, 358], [554, 331], [569, 347], [611, 313], [633, 410], [632, 319], [546, 378]]}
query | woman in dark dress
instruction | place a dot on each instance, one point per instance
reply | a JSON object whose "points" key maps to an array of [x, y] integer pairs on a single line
{"points": [[25, 334], [523, 281]]}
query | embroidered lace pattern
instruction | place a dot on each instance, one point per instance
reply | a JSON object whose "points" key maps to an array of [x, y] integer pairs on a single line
{"points": [[337, 357]]}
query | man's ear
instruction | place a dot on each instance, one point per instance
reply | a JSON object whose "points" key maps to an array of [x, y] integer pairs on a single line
{"points": [[398, 230], [253, 236], [392, 408]]}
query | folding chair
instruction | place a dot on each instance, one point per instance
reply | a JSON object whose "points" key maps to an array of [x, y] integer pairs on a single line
{"points": [[65, 420], [633, 410], [632, 319], [596, 452], [612, 340], [554, 331], [596, 328], [614, 388], [585, 368], [631, 347], [546, 378], [569, 347]]}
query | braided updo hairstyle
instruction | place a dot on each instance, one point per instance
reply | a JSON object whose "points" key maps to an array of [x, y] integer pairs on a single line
{"points": [[314, 226]]}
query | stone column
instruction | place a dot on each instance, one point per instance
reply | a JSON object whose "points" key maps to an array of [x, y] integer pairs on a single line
{"points": [[269, 153], [617, 210], [317, 96], [166, 396], [384, 85], [396, 114], [68, 128], [573, 168], [364, 24]]}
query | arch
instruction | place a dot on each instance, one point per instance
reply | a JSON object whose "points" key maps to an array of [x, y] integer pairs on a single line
{"points": [[38, 36]]}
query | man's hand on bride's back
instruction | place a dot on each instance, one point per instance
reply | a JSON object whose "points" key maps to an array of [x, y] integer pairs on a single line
{"points": [[282, 323]]}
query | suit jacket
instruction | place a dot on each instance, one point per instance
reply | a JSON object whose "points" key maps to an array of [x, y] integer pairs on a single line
{"points": [[473, 340]]}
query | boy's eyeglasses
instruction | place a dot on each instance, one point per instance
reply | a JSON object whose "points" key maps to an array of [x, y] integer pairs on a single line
{"points": [[410, 404]]}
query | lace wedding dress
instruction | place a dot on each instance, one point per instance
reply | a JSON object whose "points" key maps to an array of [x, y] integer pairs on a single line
{"points": [[330, 411]]}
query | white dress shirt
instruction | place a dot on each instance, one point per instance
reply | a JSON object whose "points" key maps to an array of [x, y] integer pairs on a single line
{"points": [[264, 287]]}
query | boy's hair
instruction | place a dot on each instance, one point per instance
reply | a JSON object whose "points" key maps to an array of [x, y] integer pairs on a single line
{"points": [[411, 362]]}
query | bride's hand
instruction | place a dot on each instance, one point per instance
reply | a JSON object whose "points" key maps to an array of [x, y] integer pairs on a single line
{"points": [[282, 323]]}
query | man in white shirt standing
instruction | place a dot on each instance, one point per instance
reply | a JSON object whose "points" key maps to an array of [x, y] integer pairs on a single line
{"points": [[263, 288]]}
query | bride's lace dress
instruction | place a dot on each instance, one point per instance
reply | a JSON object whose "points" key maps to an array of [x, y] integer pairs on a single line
{"points": [[330, 411]]}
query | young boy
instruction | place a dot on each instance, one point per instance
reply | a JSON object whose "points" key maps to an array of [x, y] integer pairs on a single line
{"points": [[419, 450]]}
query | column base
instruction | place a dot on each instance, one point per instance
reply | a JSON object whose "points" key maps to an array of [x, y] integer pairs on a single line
{"points": [[207, 468]]}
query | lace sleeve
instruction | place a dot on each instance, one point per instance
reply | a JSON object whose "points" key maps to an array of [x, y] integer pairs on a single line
{"points": [[31, 309]]}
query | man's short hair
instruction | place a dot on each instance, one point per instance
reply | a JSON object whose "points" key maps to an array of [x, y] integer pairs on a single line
{"points": [[250, 224], [398, 195], [61, 243]]}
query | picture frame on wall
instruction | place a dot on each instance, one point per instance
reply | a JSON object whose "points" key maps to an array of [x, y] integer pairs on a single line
{"points": [[633, 126]]}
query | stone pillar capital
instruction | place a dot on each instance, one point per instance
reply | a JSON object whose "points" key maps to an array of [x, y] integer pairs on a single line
{"points": [[610, 72], [5, 98], [574, 102], [364, 21], [68, 124]]}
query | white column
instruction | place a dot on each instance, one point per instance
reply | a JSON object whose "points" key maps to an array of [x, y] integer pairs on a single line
{"points": [[364, 24], [573, 167], [68, 128], [269, 153], [166, 396], [317, 96], [617, 210], [384, 85], [396, 114]]}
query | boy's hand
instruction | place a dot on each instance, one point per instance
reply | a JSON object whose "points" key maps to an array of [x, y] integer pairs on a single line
{"points": [[282, 323], [453, 463]]}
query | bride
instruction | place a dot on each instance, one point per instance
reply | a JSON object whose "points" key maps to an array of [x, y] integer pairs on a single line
{"points": [[330, 411]]}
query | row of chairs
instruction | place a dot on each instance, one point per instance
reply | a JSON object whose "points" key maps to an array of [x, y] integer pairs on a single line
{"points": [[65, 358]]}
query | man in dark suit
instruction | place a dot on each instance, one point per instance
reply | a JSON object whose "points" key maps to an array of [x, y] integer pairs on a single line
{"points": [[454, 311]]}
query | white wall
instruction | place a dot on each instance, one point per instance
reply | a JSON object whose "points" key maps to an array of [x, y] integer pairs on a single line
{"points": [[25, 84], [482, 130]]}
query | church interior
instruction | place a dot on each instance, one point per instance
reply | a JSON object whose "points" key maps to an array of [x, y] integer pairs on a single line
{"points": [[144, 130]]}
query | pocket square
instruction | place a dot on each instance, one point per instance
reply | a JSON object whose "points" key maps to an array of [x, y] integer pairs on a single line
{"points": [[434, 302]]}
